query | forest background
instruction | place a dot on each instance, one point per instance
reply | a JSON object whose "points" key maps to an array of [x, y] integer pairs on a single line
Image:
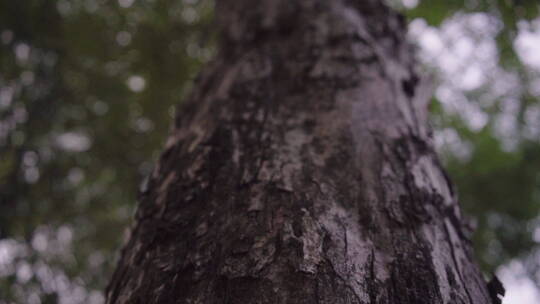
{"points": [[88, 89]]}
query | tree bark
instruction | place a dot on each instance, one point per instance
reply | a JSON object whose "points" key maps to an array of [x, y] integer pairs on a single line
{"points": [[301, 170]]}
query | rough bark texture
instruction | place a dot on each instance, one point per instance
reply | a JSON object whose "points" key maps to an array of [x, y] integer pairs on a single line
{"points": [[301, 170]]}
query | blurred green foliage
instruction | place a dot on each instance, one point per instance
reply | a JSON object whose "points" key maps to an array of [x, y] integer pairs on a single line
{"points": [[87, 92], [498, 181]]}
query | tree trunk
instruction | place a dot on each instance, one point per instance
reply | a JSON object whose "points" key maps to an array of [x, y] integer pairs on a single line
{"points": [[301, 170]]}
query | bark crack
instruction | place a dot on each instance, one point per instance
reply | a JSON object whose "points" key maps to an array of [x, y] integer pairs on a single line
{"points": [[455, 260]]}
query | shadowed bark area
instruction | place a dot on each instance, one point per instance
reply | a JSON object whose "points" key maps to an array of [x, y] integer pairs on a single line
{"points": [[301, 170]]}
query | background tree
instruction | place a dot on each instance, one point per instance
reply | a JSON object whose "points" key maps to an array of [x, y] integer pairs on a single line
{"points": [[85, 91]]}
